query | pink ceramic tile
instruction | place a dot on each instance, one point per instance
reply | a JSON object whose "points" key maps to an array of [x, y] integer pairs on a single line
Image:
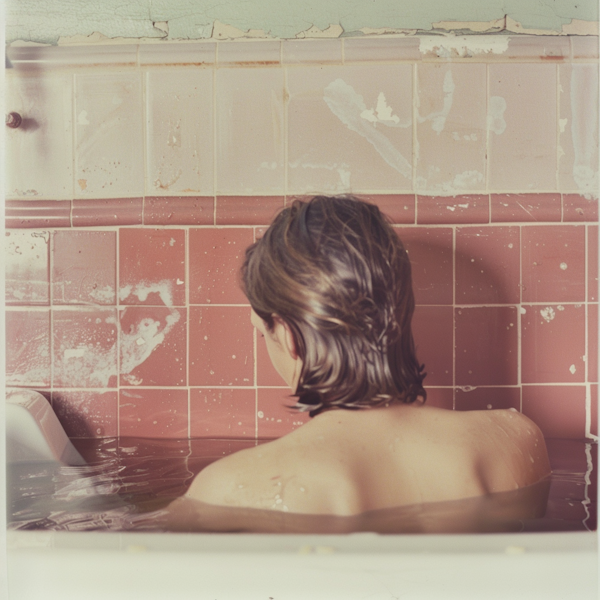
{"points": [[375, 48], [440, 397], [109, 135], [592, 342], [553, 343], [26, 267], [250, 110], [455, 209], [152, 266], [216, 256], [84, 267], [36, 214], [350, 128], [84, 348], [221, 346], [266, 375], [179, 210], [247, 210], [153, 346], [594, 410], [559, 411], [179, 131], [488, 265], [27, 347], [311, 51], [107, 211], [430, 253], [451, 127], [399, 208], [553, 263], [153, 413], [433, 330], [87, 414], [522, 127], [274, 418], [486, 341], [488, 398], [508, 208], [592, 262], [222, 413], [578, 128], [577, 207], [39, 153], [241, 52]]}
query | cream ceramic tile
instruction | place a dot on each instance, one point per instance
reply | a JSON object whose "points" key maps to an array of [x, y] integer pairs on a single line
{"points": [[535, 47], [250, 131], [53, 57], [312, 51], [522, 127], [249, 51], [39, 154], [375, 48], [578, 126], [109, 142], [584, 46], [192, 53], [350, 129], [179, 131], [451, 127]]}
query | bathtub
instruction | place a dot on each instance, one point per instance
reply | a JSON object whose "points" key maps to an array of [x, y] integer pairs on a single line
{"points": [[125, 564]]}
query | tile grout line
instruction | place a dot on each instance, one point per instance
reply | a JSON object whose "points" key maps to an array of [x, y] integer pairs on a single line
{"points": [[73, 144], [187, 329], [145, 155], [286, 105], [487, 134], [118, 327], [453, 318], [255, 349], [519, 324], [51, 314], [588, 391], [557, 129], [214, 133], [415, 141]]}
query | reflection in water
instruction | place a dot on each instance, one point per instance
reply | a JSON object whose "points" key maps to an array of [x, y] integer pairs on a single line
{"points": [[139, 485]]}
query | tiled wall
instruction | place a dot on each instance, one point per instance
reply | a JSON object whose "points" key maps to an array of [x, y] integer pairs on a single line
{"points": [[140, 175]]}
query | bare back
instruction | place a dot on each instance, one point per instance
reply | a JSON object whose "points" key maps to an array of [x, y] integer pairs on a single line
{"points": [[348, 462]]}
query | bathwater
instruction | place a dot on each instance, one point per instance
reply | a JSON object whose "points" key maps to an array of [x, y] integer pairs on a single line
{"points": [[134, 484]]}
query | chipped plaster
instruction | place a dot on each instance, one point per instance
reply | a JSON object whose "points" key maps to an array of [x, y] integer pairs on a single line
{"points": [[52, 21]]}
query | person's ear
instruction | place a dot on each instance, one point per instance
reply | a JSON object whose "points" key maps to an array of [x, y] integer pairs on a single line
{"points": [[285, 336]]}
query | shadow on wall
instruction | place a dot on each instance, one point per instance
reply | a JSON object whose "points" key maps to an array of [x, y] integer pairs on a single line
{"points": [[485, 338]]}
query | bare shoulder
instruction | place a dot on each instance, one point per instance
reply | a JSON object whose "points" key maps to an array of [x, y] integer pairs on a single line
{"points": [[240, 479], [520, 446]]}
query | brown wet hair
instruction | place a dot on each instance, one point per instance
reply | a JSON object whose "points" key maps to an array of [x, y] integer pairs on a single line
{"points": [[336, 272]]}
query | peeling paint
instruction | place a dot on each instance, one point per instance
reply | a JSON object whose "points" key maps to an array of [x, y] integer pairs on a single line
{"points": [[463, 46], [61, 21]]}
